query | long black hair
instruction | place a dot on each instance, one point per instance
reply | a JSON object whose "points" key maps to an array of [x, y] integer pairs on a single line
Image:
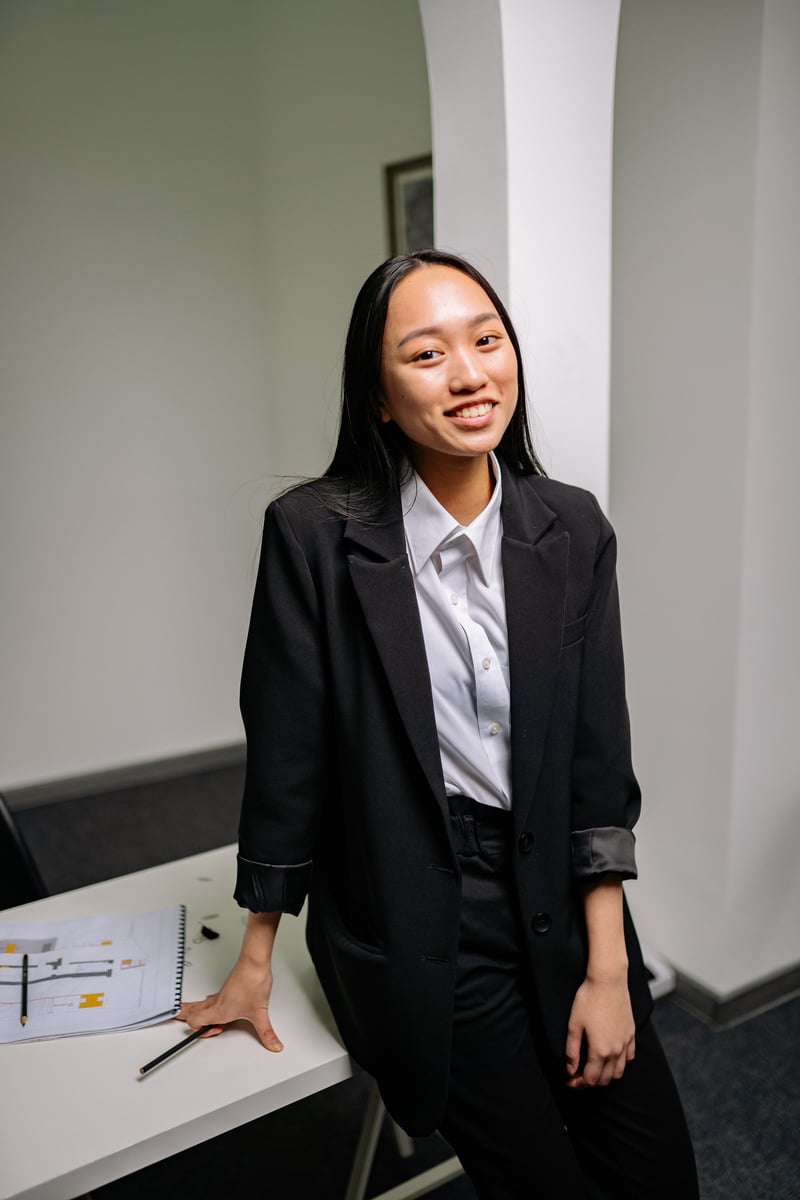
{"points": [[371, 456]]}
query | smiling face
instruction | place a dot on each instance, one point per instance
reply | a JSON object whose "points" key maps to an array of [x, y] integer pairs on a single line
{"points": [[448, 368]]}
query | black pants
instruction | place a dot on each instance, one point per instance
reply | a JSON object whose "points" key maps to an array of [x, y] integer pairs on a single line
{"points": [[520, 1133]]}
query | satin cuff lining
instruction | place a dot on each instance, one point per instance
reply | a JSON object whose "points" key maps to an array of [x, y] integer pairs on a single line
{"points": [[271, 887], [602, 851]]}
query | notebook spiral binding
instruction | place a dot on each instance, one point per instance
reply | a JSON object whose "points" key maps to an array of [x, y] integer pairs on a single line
{"points": [[181, 958]]}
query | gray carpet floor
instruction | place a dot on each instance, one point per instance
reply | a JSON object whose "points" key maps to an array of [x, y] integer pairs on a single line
{"points": [[740, 1087]]}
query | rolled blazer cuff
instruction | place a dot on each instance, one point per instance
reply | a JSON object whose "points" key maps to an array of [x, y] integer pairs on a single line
{"points": [[269, 887], [596, 852]]}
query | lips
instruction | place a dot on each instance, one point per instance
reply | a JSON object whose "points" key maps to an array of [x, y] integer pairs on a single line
{"points": [[472, 411]]}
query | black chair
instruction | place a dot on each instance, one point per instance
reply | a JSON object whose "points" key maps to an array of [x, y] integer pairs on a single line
{"points": [[20, 880]]}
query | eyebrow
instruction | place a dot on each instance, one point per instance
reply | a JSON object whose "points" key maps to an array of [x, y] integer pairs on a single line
{"points": [[427, 330]]}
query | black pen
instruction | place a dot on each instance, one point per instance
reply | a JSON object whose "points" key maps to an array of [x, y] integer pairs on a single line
{"points": [[23, 1020], [174, 1049]]}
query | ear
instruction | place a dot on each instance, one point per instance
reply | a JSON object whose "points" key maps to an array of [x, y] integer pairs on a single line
{"points": [[381, 410]]}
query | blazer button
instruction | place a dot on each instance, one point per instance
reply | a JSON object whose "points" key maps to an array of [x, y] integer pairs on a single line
{"points": [[541, 922], [525, 842]]}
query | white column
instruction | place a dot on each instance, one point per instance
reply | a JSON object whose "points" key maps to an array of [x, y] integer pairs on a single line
{"points": [[522, 107], [560, 58]]}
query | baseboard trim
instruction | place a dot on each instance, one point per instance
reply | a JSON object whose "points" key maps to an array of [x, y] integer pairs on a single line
{"points": [[660, 973], [136, 774], [722, 1012]]}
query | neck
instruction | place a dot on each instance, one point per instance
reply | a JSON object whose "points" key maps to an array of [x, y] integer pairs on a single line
{"points": [[463, 486]]}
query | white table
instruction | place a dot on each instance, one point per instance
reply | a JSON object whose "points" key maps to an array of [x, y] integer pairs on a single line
{"points": [[75, 1112]]}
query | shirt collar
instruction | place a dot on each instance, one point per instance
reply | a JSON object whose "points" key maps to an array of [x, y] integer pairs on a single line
{"points": [[428, 525]]}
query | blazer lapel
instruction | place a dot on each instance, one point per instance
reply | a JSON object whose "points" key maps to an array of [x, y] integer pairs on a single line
{"points": [[385, 587], [535, 578]]}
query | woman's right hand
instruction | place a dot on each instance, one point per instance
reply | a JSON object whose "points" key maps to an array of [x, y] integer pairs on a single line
{"points": [[245, 994]]}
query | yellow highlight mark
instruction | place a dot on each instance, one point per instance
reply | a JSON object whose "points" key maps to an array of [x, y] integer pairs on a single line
{"points": [[107, 942], [92, 1000], [11, 948]]}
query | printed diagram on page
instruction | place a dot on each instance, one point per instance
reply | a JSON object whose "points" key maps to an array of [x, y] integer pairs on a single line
{"points": [[90, 975]]}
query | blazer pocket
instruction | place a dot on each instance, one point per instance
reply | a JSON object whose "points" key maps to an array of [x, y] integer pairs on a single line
{"points": [[343, 937], [573, 632]]}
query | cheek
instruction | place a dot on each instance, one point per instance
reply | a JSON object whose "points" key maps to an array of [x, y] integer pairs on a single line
{"points": [[407, 406], [512, 407], [395, 407], [512, 384], [512, 373]]}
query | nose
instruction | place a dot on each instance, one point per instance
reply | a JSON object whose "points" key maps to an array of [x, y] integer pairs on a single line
{"points": [[468, 371]]}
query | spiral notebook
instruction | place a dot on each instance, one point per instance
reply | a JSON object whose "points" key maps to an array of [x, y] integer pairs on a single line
{"points": [[92, 974]]}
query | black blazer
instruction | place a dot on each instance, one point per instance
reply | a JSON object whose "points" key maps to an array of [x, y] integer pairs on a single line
{"points": [[343, 769]]}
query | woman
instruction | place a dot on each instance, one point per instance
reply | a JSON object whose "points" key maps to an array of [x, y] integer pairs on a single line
{"points": [[434, 704]]}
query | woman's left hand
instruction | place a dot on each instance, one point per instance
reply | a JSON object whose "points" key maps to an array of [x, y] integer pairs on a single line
{"points": [[602, 1018]]}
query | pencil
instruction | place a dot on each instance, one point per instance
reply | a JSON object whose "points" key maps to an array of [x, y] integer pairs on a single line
{"points": [[23, 1020], [174, 1049]]}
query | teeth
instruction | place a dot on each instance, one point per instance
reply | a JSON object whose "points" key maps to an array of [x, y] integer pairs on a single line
{"points": [[476, 410]]}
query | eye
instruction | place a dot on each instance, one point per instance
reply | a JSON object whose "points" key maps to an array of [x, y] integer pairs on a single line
{"points": [[488, 339], [426, 356]]}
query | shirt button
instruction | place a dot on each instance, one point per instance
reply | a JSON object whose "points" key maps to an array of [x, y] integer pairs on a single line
{"points": [[487, 662], [541, 922], [453, 598], [494, 729]]}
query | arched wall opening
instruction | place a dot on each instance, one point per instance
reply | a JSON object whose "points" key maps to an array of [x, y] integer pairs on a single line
{"points": [[683, 422]]}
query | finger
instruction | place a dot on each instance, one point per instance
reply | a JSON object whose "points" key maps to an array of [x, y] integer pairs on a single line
{"points": [[190, 1006], [593, 1071], [620, 1065], [184, 1012], [613, 1068], [631, 1052], [607, 1074], [209, 1012], [595, 1078], [609, 1067], [263, 1027], [572, 1049]]}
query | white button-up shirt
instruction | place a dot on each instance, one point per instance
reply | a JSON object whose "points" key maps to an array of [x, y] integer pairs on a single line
{"points": [[458, 576]]}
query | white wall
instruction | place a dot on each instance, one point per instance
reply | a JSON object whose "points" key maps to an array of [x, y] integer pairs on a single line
{"points": [[764, 883], [469, 132], [344, 91], [191, 192], [704, 492], [132, 378]]}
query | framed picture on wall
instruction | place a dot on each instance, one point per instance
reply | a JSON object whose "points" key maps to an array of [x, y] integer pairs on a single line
{"points": [[409, 202]]}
